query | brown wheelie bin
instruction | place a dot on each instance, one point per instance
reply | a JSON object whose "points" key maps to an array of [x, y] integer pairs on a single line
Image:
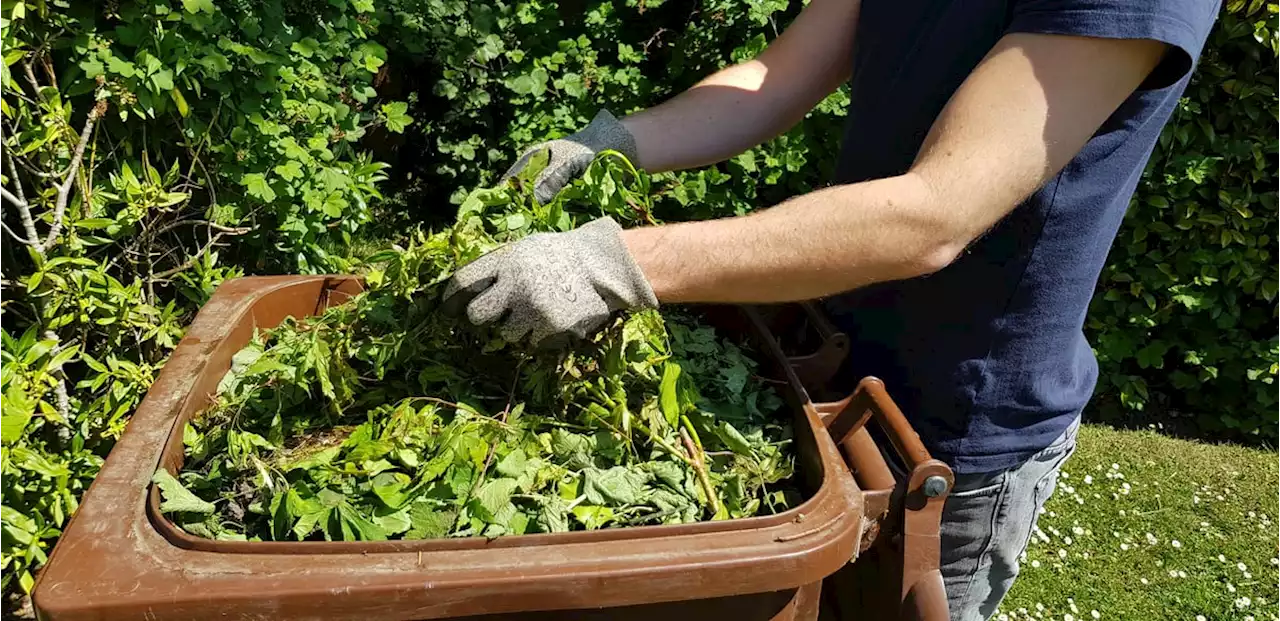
{"points": [[120, 558]]}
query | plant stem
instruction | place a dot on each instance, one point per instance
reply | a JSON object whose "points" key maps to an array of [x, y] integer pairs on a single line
{"points": [[700, 469]]}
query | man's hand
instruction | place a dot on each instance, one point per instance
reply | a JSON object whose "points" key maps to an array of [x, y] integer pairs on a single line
{"points": [[570, 156], [552, 285]]}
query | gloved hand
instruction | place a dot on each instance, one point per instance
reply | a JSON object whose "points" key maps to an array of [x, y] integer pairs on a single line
{"points": [[552, 285], [571, 155]]}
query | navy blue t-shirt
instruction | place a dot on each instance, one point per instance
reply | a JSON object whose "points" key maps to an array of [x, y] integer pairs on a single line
{"points": [[987, 357]]}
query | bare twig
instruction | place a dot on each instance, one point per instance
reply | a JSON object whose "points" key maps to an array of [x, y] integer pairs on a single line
{"points": [[230, 230], [64, 189], [190, 260]]}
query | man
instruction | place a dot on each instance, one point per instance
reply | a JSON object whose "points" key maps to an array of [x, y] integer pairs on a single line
{"points": [[990, 153]]}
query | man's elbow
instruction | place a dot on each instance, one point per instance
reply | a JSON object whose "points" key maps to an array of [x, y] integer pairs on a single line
{"points": [[938, 226]]}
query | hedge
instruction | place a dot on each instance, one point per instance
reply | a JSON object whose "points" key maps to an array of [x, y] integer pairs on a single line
{"points": [[229, 137]]}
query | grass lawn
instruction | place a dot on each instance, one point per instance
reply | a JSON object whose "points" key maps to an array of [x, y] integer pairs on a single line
{"points": [[1143, 526]]}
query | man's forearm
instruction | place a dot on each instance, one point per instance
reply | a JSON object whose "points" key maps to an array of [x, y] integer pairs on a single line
{"points": [[818, 244], [751, 102], [722, 116]]}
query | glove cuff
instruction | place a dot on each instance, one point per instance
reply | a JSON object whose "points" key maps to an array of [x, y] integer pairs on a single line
{"points": [[620, 280], [606, 132]]}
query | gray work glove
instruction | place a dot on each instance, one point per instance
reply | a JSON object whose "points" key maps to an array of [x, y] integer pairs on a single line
{"points": [[571, 155], [550, 286]]}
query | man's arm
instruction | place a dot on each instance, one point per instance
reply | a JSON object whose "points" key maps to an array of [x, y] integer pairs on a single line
{"points": [[1022, 114], [744, 105]]}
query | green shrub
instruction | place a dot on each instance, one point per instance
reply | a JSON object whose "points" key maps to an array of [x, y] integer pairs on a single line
{"points": [[154, 149], [1185, 315]]}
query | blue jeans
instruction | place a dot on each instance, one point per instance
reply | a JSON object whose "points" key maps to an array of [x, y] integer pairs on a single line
{"points": [[987, 522]]}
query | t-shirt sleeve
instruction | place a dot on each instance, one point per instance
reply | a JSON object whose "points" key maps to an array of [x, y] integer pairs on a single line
{"points": [[1182, 24]]}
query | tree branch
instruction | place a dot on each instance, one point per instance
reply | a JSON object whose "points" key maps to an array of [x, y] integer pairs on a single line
{"points": [[64, 189], [14, 235], [20, 201], [31, 79], [59, 389]]}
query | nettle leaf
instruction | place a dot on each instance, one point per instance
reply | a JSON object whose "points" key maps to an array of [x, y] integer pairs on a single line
{"points": [[176, 498]]}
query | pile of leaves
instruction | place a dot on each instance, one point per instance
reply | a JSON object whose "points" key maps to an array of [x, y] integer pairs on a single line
{"points": [[387, 418]]}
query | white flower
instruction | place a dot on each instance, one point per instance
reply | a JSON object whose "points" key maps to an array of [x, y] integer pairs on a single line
{"points": [[1247, 575], [1115, 466], [1243, 603], [1151, 539], [1039, 606], [1144, 581], [1062, 554], [1201, 618], [1068, 618], [1088, 480], [1124, 546], [1095, 614], [1080, 531], [1231, 588], [1173, 573], [1067, 540], [1242, 567], [1182, 574], [1175, 543], [1067, 476], [1035, 564], [1222, 558]]}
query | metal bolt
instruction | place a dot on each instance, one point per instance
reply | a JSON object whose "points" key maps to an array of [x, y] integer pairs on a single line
{"points": [[935, 486]]}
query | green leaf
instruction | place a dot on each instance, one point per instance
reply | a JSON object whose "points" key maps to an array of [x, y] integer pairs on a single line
{"points": [[733, 439], [396, 118], [389, 487], [615, 486], [493, 496], [256, 185], [553, 514], [668, 398], [163, 79], [176, 498], [428, 522], [514, 464], [196, 6], [17, 412], [95, 223], [289, 170]]}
